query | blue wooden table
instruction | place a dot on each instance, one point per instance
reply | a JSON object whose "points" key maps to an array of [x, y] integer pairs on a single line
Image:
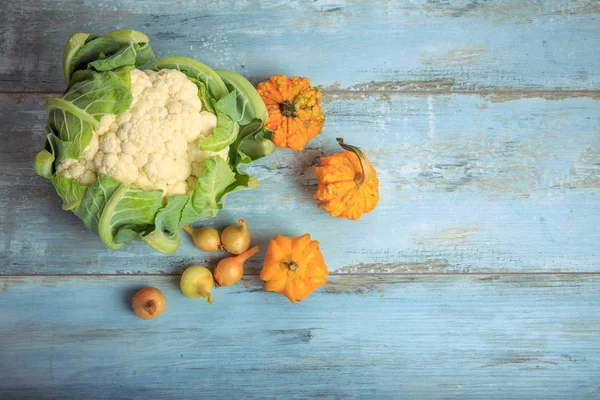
{"points": [[477, 276]]}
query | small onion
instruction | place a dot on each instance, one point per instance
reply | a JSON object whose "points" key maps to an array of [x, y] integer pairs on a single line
{"points": [[149, 303], [197, 281], [236, 238], [229, 270], [205, 238]]}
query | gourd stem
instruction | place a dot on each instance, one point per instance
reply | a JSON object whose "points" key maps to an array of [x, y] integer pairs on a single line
{"points": [[292, 265], [288, 109], [365, 165]]}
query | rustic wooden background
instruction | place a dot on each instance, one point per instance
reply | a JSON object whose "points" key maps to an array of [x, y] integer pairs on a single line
{"points": [[477, 276]]}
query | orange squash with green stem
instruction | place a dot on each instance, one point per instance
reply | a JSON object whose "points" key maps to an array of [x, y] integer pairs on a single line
{"points": [[347, 183], [294, 267], [295, 113]]}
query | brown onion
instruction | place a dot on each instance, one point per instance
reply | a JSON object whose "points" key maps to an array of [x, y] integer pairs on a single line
{"points": [[229, 270], [149, 303]]}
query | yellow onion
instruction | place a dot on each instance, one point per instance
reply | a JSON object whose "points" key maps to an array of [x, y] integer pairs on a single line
{"points": [[197, 281], [205, 238], [236, 238]]}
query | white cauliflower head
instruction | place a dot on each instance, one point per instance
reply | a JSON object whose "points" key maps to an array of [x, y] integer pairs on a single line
{"points": [[153, 144]]}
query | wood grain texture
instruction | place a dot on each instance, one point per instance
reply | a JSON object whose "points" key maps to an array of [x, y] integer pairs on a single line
{"points": [[348, 44], [467, 185], [411, 337]]}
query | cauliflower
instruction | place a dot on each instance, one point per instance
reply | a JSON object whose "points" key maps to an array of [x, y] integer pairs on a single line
{"points": [[154, 143], [138, 155]]}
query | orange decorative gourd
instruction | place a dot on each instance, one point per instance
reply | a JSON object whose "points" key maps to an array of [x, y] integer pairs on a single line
{"points": [[347, 184], [295, 113], [293, 267]]}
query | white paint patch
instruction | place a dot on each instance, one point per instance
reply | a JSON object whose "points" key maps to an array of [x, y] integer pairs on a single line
{"points": [[267, 4], [458, 56], [585, 173], [410, 169], [452, 235], [431, 117]]}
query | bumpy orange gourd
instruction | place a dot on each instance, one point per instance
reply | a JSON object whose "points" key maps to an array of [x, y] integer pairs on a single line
{"points": [[293, 267], [295, 113], [347, 184]]}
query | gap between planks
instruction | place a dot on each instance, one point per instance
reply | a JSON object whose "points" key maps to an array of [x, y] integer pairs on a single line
{"points": [[441, 274], [493, 95]]}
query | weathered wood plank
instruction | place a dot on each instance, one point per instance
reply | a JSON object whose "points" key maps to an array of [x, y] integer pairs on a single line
{"points": [[467, 185], [467, 337], [464, 45]]}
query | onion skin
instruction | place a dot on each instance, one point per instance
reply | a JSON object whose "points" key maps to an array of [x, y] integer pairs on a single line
{"points": [[236, 239], [205, 238], [230, 270], [149, 303]]}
